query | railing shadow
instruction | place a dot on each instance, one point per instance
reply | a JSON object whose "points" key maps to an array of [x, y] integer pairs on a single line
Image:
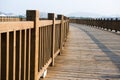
{"points": [[113, 57]]}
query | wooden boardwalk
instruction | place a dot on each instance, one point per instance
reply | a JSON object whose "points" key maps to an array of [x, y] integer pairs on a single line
{"points": [[89, 54]]}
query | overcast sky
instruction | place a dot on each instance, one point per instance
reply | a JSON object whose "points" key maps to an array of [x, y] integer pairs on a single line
{"points": [[102, 7]]}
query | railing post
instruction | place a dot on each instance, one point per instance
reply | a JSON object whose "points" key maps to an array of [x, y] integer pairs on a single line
{"points": [[33, 15], [60, 17], [51, 16]]}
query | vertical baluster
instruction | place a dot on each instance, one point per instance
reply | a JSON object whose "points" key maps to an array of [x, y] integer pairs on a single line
{"points": [[14, 55], [25, 55], [29, 45], [42, 58], [7, 58], [39, 66], [20, 51]]}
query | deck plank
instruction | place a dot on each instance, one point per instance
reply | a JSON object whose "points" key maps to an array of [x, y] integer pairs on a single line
{"points": [[89, 54]]}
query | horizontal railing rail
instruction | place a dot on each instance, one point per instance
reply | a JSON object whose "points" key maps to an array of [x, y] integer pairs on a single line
{"points": [[28, 47], [109, 24], [11, 18]]}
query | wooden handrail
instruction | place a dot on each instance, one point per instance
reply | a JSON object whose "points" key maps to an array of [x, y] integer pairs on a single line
{"points": [[14, 26], [28, 47], [109, 23]]}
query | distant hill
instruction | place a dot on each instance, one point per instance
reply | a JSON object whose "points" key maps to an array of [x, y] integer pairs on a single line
{"points": [[84, 14], [7, 14], [42, 14], [92, 15]]}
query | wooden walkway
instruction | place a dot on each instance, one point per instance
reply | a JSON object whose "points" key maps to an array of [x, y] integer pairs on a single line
{"points": [[89, 54]]}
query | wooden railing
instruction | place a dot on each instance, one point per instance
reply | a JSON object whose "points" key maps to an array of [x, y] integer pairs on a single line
{"points": [[109, 24], [11, 18], [27, 48]]}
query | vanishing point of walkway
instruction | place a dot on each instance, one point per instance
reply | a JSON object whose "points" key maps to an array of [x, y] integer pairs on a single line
{"points": [[89, 54]]}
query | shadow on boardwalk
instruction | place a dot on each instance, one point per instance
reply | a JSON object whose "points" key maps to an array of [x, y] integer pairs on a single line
{"points": [[89, 54]]}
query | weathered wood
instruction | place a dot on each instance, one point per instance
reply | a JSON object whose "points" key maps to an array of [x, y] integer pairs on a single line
{"points": [[14, 26], [33, 15], [43, 23], [87, 55], [7, 57], [106, 23], [25, 35], [27, 48], [22, 55], [14, 55], [60, 17], [20, 52], [51, 16]]}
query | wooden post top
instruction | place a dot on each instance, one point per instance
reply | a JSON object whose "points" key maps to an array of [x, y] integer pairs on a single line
{"points": [[51, 16], [32, 15], [60, 17]]}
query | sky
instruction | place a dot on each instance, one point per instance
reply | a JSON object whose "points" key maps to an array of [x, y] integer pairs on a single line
{"points": [[101, 7]]}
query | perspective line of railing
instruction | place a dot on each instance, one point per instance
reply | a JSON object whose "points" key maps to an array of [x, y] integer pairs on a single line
{"points": [[28, 47], [108, 24]]}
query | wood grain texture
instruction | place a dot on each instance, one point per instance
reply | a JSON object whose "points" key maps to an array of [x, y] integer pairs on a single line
{"points": [[89, 54]]}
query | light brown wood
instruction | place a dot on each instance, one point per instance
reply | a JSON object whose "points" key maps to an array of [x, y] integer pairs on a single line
{"points": [[28, 47], [7, 57], [12, 26], [14, 55], [45, 67], [25, 54], [20, 52], [60, 17], [56, 53], [57, 21], [51, 16], [43, 23], [87, 55]]}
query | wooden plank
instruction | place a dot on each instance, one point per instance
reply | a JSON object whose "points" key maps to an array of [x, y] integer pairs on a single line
{"points": [[87, 56], [29, 54], [45, 39], [14, 56], [39, 67], [14, 26], [20, 52], [57, 21], [25, 54], [42, 37], [56, 53], [44, 47], [43, 23], [7, 57]]}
